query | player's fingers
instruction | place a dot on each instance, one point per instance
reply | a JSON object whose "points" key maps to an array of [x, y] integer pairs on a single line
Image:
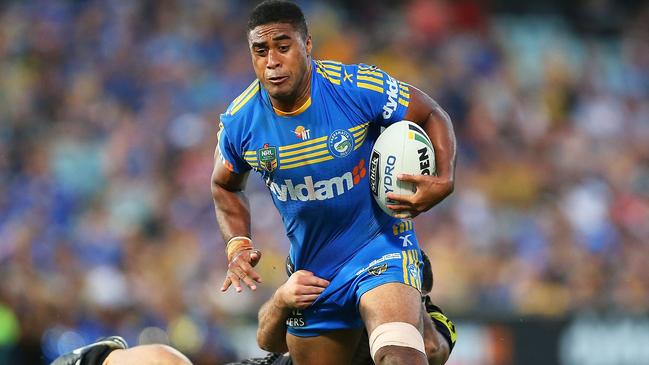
{"points": [[306, 290], [409, 178], [405, 215], [399, 207], [249, 271], [235, 281], [250, 283], [307, 299], [226, 283], [316, 281], [406, 199]]}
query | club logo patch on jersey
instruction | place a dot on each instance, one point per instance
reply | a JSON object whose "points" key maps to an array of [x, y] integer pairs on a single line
{"points": [[341, 143], [302, 133], [268, 158], [377, 270]]}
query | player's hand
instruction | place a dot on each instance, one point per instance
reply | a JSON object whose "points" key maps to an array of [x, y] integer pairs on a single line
{"points": [[241, 269], [430, 190], [300, 290]]}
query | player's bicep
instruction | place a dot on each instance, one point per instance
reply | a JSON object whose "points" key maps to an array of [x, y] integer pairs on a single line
{"points": [[224, 177], [420, 106], [230, 171]]}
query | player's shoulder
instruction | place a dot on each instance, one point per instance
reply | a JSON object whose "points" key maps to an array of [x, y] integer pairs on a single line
{"points": [[244, 104], [360, 77]]}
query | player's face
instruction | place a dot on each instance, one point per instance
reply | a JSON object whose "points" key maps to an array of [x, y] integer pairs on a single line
{"points": [[280, 58]]}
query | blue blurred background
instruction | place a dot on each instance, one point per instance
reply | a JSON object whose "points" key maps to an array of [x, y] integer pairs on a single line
{"points": [[108, 120]]}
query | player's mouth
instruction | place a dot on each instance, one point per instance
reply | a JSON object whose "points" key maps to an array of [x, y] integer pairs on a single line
{"points": [[277, 80]]}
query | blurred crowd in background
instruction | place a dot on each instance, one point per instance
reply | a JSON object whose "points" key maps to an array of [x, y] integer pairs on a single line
{"points": [[108, 119]]}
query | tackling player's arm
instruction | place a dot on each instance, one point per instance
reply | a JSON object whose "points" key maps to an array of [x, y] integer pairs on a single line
{"points": [[437, 348], [233, 217], [431, 190], [298, 292]]}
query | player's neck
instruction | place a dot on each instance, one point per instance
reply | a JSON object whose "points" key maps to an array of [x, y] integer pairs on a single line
{"points": [[302, 95]]}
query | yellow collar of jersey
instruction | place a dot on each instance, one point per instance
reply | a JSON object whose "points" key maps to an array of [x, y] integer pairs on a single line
{"points": [[295, 112]]}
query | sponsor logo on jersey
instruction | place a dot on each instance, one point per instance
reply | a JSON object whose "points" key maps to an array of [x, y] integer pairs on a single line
{"points": [[308, 190], [341, 143], [377, 270], [386, 257], [375, 174], [406, 240], [302, 133], [296, 319], [393, 94], [268, 158]]}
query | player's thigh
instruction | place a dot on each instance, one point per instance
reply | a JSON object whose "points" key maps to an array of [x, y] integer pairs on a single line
{"points": [[391, 302], [335, 347], [148, 355]]}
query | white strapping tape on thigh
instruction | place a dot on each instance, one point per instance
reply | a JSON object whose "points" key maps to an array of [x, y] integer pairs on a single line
{"points": [[396, 334]]}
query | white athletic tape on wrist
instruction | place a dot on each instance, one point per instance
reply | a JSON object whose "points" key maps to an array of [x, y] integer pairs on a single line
{"points": [[235, 244], [396, 334]]}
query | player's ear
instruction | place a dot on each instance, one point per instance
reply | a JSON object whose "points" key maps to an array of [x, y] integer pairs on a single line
{"points": [[308, 45]]}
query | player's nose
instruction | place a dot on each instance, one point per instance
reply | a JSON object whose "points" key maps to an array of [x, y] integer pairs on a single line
{"points": [[272, 61]]}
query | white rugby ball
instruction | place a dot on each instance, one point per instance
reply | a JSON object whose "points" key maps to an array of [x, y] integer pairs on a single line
{"points": [[403, 147]]}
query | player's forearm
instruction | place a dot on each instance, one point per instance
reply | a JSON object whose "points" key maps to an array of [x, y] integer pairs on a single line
{"points": [[232, 212], [271, 333], [439, 128], [437, 349]]}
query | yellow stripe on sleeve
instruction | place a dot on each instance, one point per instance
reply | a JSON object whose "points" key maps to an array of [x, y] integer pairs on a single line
{"points": [[326, 76], [332, 66], [369, 78], [370, 73], [404, 94], [332, 73], [404, 102], [370, 87]]}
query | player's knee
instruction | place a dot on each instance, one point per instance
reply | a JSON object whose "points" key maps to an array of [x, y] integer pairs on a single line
{"points": [[395, 337], [167, 355]]}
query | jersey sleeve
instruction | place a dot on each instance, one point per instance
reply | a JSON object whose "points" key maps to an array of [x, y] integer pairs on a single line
{"points": [[229, 155], [381, 98]]}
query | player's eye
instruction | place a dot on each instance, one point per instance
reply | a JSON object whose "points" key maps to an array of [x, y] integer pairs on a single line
{"points": [[261, 52], [283, 49]]}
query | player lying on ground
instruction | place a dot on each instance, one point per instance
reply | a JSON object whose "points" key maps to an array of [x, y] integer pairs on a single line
{"points": [[439, 332], [307, 127]]}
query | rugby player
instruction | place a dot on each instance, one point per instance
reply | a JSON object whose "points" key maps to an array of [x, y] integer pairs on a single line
{"points": [[439, 332], [307, 127]]}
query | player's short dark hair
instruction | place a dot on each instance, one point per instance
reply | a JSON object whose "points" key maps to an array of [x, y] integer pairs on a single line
{"points": [[278, 11]]}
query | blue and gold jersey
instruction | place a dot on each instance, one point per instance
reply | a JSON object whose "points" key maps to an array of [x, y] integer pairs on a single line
{"points": [[314, 160]]}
